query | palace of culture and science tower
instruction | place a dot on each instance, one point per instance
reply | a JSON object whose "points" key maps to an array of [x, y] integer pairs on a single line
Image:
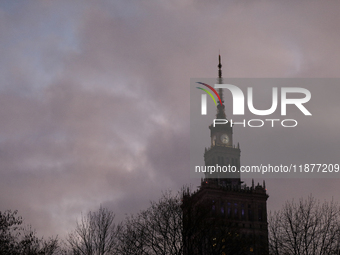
{"points": [[225, 216]]}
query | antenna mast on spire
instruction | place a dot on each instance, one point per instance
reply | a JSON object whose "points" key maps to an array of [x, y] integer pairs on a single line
{"points": [[220, 108], [219, 67]]}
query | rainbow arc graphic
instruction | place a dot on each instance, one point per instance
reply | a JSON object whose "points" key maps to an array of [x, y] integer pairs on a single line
{"points": [[204, 97]]}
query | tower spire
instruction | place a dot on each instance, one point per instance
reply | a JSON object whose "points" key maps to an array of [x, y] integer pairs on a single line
{"points": [[219, 67], [220, 108]]}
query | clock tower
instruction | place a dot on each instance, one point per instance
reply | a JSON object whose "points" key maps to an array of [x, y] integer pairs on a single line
{"points": [[224, 216], [222, 152]]}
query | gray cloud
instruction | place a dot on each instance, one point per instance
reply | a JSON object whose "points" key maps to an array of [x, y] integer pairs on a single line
{"points": [[95, 99]]}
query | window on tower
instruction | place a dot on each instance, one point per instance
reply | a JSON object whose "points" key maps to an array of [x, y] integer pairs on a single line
{"points": [[242, 212], [250, 214], [222, 208], [213, 207], [235, 211], [260, 213], [229, 210]]}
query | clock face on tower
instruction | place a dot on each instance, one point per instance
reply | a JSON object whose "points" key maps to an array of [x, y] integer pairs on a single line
{"points": [[224, 138]]}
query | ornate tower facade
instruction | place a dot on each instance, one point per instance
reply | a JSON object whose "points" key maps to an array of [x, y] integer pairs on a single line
{"points": [[225, 216], [222, 151]]}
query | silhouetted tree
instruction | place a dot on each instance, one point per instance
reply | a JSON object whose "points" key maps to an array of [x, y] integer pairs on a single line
{"points": [[95, 234], [156, 230], [9, 231], [305, 227], [16, 239], [160, 229]]}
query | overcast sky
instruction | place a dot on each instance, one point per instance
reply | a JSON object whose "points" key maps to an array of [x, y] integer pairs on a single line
{"points": [[94, 97]]}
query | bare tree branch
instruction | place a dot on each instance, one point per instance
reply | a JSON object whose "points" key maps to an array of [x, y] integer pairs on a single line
{"points": [[305, 227]]}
